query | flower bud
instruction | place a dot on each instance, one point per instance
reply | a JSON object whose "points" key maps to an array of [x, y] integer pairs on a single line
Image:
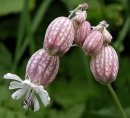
{"points": [[104, 66], [103, 24], [84, 6], [80, 16], [59, 36], [107, 37], [93, 43], [42, 68], [82, 32]]}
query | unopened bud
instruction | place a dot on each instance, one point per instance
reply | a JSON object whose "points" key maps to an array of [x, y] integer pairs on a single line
{"points": [[80, 16], [84, 6], [82, 32], [104, 66], [59, 36], [107, 37], [103, 24], [42, 68], [93, 43]]}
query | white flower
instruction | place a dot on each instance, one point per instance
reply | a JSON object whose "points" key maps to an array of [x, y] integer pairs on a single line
{"points": [[26, 86]]}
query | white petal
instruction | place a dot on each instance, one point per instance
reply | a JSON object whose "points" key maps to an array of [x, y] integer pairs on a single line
{"points": [[36, 103], [19, 93], [15, 85], [43, 95], [12, 76], [27, 83]]}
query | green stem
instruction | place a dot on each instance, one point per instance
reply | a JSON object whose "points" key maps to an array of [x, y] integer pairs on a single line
{"points": [[40, 14], [20, 35], [122, 34], [116, 100], [80, 6], [35, 23], [30, 34], [74, 11]]}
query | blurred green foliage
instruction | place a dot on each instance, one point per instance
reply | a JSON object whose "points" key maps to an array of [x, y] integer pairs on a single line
{"points": [[74, 93], [13, 6]]}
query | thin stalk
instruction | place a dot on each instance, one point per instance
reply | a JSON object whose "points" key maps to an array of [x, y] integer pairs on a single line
{"points": [[40, 14], [116, 100], [121, 35], [20, 34], [35, 23], [74, 11], [18, 44], [81, 6], [29, 33]]}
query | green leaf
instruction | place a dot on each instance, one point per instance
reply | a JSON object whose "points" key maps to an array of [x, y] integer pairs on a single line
{"points": [[13, 6], [111, 112], [68, 93], [70, 4], [5, 60], [121, 35], [4, 92], [7, 113], [127, 111], [123, 81], [71, 84], [75, 111], [113, 14]]}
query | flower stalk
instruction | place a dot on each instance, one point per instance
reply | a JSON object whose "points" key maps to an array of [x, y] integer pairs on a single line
{"points": [[116, 100], [82, 6]]}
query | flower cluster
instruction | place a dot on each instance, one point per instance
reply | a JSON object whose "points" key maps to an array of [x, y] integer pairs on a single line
{"points": [[104, 60], [60, 35], [94, 41]]}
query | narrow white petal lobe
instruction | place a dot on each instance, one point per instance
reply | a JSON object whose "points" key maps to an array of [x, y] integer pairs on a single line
{"points": [[18, 94], [12, 76], [44, 96], [15, 85], [36, 103]]}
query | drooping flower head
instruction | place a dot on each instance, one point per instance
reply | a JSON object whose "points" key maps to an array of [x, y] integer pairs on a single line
{"points": [[59, 36], [82, 32], [40, 72], [93, 43], [104, 66], [42, 68]]}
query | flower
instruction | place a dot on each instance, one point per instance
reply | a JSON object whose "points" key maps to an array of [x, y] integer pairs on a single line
{"points": [[100, 26], [40, 72], [59, 36], [42, 68], [80, 16], [104, 66], [107, 37], [84, 6], [82, 32], [27, 87], [93, 43]]}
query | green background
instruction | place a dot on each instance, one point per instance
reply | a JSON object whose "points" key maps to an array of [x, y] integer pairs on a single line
{"points": [[74, 92]]}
